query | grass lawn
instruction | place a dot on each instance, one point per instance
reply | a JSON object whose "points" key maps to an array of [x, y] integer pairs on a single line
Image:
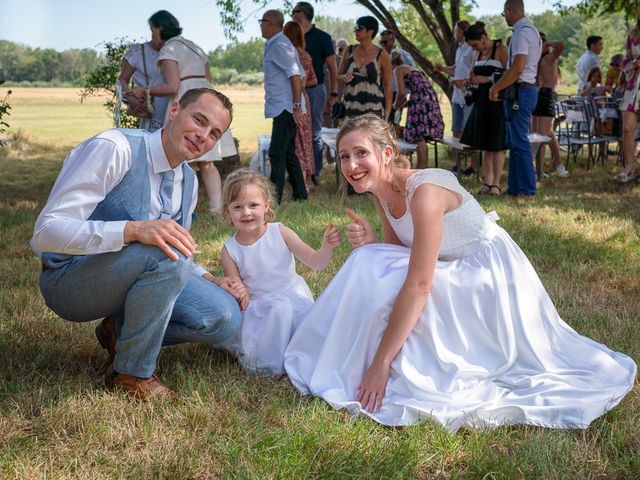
{"points": [[57, 421]]}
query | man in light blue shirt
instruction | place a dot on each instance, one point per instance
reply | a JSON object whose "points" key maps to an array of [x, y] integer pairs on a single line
{"points": [[282, 102]]}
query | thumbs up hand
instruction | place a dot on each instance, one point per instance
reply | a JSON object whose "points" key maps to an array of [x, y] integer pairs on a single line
{"points": [[359, 231], [331, 237]]}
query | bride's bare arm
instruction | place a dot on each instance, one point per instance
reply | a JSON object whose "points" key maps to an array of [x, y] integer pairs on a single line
{"points": [[428, 207]]}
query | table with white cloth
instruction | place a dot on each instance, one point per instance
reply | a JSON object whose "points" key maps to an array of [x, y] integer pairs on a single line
{"points": [[260, 160]]}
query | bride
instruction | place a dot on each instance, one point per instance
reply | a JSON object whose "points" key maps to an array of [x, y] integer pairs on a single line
{"points": [[446, 318]]}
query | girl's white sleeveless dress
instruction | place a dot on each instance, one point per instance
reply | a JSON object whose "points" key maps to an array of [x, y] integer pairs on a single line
{"points": [[279, 298], [488, 349]]}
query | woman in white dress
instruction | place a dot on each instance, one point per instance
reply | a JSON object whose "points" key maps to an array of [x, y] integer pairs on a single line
{"points": [[140, 63], [446, 319], [184, 65]]}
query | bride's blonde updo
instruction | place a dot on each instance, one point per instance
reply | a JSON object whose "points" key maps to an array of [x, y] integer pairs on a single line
{"points": [[379, 132]]}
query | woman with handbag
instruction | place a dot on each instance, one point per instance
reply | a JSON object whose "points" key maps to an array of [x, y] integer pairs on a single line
{"points": [[140, 64], [184, 66], [485, 129]]}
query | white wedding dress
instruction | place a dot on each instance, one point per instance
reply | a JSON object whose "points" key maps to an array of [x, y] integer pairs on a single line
{"points": [[488, 349]]}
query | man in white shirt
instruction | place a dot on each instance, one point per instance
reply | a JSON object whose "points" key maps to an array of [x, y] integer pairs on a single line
{"points": [[114, 242], [460, 73], [388, 42], [588, 60], [525, 49]]}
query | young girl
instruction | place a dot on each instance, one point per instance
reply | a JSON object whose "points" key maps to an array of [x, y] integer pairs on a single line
{"points": [[261, 254], [595, 87]]}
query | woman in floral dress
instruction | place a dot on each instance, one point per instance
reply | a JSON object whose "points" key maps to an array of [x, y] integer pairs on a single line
{"points": [[424, 120], [630, 105]]}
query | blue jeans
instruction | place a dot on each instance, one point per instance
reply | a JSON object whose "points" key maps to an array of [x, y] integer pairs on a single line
{"points": [[152, 299], [460, 115], [522, 175], [318, 99]]}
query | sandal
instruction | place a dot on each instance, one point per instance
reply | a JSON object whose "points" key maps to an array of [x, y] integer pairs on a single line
{"points": [[623, 177], [485, 190], [492, 192]]}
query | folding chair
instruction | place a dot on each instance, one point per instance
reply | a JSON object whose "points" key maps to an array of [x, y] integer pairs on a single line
{"points": [[607, 109]]}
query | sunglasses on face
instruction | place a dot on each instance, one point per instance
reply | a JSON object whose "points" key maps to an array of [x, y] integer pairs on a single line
{"points": [[297, 10], [384, 42], [263, 20], [357, 28]]}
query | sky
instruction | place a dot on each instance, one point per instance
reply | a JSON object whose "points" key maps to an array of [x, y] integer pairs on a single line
{"points": [[64, 24]]}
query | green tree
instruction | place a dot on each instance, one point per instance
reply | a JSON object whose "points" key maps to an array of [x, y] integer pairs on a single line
{"points": [[595, 8], [4, 112], [336, 27], [102, 79], [239, 56]]}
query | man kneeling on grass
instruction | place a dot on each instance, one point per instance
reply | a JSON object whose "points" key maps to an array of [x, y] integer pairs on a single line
{"points": [[114, 242]]}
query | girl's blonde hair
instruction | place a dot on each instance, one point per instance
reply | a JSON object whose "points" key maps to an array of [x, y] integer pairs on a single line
{"points": [[379, 132], [236, 184]]}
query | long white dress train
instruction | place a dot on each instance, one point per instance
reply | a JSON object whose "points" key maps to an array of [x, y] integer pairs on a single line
{"points": [[488, 349]]}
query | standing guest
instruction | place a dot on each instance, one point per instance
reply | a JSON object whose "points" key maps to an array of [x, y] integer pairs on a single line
{"points": [[630, 105], [319, 46], [140, 63], [114, 242], [459, 73], [588, 60], [524, 53], [424, 120], [388, 42], [547, 82], [283, 102], [184, 65], [366, 72], [304, 144], [485, 129]]}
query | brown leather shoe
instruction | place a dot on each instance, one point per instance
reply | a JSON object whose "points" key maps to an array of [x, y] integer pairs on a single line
{"points": [[138, 388], [106, 335]]}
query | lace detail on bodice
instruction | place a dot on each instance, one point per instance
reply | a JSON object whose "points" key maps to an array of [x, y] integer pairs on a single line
{"points": [[463, 228]]}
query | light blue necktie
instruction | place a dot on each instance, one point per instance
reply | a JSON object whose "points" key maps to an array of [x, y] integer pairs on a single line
{"points": [[166, 193]]}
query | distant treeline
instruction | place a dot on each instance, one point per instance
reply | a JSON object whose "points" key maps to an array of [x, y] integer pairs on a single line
{"points": [[20, 63], [241, 62]]}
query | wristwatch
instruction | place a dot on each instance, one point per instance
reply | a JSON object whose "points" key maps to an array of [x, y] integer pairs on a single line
{"points": [[334, 94], [297, 105]]}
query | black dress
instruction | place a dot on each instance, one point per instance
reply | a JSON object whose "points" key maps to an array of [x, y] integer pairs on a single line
{"points": [[485, 128]]}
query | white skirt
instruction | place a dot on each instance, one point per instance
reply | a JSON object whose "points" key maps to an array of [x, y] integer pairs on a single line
{"points": [[488, 349], [267, 326]]}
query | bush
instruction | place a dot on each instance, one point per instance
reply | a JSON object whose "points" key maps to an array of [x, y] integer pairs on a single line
{"points": [[225, 76], [251, 78], [103, 79], [4, 112]]}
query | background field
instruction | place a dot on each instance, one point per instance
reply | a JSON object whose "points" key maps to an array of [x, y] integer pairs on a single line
{"points": [[57, 421]]}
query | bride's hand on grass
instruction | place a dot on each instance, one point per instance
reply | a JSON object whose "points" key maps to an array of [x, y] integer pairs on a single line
{"points": [[372, 388]]}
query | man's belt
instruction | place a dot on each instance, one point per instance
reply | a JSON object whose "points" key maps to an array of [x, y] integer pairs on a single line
{"points": [[189, 77], [525, 84]]}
